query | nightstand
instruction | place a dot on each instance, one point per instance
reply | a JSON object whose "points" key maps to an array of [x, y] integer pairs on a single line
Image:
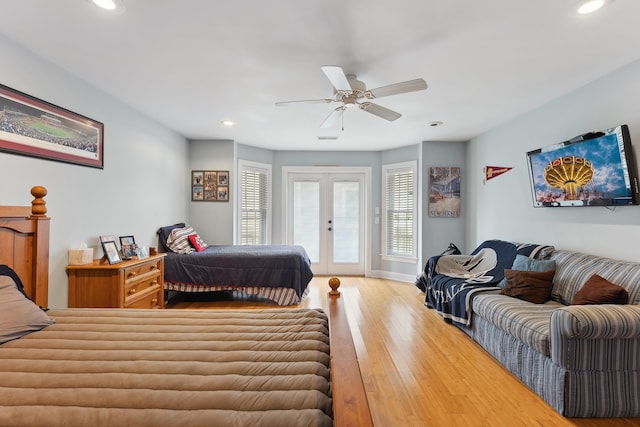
{"points": [[137, 283]]}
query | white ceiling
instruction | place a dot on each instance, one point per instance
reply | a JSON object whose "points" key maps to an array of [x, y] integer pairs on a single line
{"points": [[191, 63]]}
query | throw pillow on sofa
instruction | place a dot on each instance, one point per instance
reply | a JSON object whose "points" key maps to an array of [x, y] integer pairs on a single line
{"points": [[532, 286], [598, 290], [525, 263]]}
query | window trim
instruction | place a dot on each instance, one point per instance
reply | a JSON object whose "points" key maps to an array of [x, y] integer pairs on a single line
{"points": [[387, 170], [247, 165]]}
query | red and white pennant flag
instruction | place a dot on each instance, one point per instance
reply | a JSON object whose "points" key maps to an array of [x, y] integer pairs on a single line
{"points": [[491, 172]]}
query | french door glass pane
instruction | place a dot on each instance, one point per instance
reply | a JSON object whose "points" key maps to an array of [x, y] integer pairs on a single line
{"points": [[306, 217], [346, 221]]}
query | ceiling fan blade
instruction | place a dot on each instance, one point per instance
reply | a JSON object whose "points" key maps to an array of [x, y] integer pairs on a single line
{"points": [[304, 101], [380, 111], [332, 118], [397, 88], [337, 77]]}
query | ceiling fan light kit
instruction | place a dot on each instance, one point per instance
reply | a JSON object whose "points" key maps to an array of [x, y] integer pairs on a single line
{"points": [[585, 7], [351, 92]]}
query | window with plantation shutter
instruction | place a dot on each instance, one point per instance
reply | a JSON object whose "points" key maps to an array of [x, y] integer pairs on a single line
{"points": [[255, 203], [399, 211]]}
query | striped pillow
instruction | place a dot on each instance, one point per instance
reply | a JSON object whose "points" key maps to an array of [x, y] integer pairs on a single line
{"points": [[178, 240]]}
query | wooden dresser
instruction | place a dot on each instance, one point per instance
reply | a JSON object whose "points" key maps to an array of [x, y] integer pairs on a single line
{"points": [[137, 283]]}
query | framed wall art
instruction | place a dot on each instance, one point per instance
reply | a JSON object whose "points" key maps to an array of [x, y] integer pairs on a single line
{"points": [[210, 186], [32, 127], [444, 192]]}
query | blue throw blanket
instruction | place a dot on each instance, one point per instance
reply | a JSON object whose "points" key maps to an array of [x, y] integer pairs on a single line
{"points": [[451, 281]]}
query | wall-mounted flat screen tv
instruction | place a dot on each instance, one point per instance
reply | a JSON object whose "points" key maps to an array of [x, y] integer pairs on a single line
{"points": [[594, 169]]}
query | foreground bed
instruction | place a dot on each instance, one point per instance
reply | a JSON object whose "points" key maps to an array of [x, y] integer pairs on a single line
{"points": [[104, 367], [229, 368]]}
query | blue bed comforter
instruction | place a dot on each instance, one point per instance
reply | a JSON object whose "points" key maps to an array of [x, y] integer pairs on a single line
{"points": [[282, 266]]}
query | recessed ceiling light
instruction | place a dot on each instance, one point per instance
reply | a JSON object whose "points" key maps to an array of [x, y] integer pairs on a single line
{"points": [[435, 124], [585, 7], [228, 122], [114, 6]]}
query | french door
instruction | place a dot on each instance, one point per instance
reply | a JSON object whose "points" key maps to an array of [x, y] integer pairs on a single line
{"points": [[326, 215]]}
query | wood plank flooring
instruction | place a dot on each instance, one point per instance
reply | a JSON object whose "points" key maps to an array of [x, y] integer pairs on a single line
{"points": [[420, 371]]}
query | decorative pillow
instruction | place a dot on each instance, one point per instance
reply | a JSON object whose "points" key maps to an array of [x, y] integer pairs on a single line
{"points": [[524, 263], [19, 316], [163, 234], [178, 240], [197, 242], [532, 286], [598, 290], [5, 270], [451, 250]]}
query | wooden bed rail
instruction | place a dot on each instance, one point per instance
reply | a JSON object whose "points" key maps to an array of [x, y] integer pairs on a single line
{"points": [[350, 405], [24, 244]]}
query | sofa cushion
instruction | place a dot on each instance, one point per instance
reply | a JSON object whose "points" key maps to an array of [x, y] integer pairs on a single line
{"points": [[574, 269], [531, 286], [523, 320], [598, 290]]}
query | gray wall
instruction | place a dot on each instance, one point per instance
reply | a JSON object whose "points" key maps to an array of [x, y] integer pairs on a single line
{"points": [[140, 188], [437, 233], [502, 208], [213, 220]]}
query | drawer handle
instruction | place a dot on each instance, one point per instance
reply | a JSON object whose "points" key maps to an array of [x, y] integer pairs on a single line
{"points": [[132, 291], [133, 274], [153, 267], [154, 301]]}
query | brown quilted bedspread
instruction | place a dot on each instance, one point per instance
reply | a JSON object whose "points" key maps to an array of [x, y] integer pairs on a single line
{"points": [[108, 367]]}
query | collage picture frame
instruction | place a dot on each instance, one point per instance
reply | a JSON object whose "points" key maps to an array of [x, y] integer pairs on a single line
{"points": [[210, 185]]}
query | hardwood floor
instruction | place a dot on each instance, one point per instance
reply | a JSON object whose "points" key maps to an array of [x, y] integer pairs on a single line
{"points": [[420, 371]]}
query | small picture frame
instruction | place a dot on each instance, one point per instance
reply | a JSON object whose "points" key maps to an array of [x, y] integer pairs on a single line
{"points": [[108, 238], [223, 193], [223, 178], [142, 252], [111, 252], [197, 177], [127, 246]]}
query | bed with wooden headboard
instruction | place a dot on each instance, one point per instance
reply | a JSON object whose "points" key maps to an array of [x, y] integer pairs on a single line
{"points": [[104, 367]]}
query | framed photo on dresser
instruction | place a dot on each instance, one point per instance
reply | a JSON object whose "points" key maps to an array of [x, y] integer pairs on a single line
{"points": [[111, 252]]}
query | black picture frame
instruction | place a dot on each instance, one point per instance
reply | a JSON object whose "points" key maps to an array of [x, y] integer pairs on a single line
{"points": [[37, 128], [127, 246], [111, 252]]}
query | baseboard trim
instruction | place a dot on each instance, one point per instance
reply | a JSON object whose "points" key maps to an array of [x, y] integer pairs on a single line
{"points": [[393, 276]]}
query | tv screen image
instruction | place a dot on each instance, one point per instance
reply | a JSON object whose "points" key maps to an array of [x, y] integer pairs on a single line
{"points": [[594, 169]]}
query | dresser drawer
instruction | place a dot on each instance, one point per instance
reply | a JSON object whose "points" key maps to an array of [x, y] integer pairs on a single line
{"points": [[150, 297], [140, 285], [142, 271]]}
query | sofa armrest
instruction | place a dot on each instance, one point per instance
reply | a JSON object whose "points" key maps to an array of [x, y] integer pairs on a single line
{"points": [[596, 337]]}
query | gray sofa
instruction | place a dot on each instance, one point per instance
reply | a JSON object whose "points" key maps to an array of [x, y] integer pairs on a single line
{"points": [[583, 360]]}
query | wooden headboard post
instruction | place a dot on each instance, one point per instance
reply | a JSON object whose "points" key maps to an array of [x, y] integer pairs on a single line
{"points": [[24, 244]]}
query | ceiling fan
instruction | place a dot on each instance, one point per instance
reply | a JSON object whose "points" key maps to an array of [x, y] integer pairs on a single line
{"points": [[351, 92]]}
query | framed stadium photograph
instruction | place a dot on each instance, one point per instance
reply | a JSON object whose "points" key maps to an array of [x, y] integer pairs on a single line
{"points": [[32, 127]]}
